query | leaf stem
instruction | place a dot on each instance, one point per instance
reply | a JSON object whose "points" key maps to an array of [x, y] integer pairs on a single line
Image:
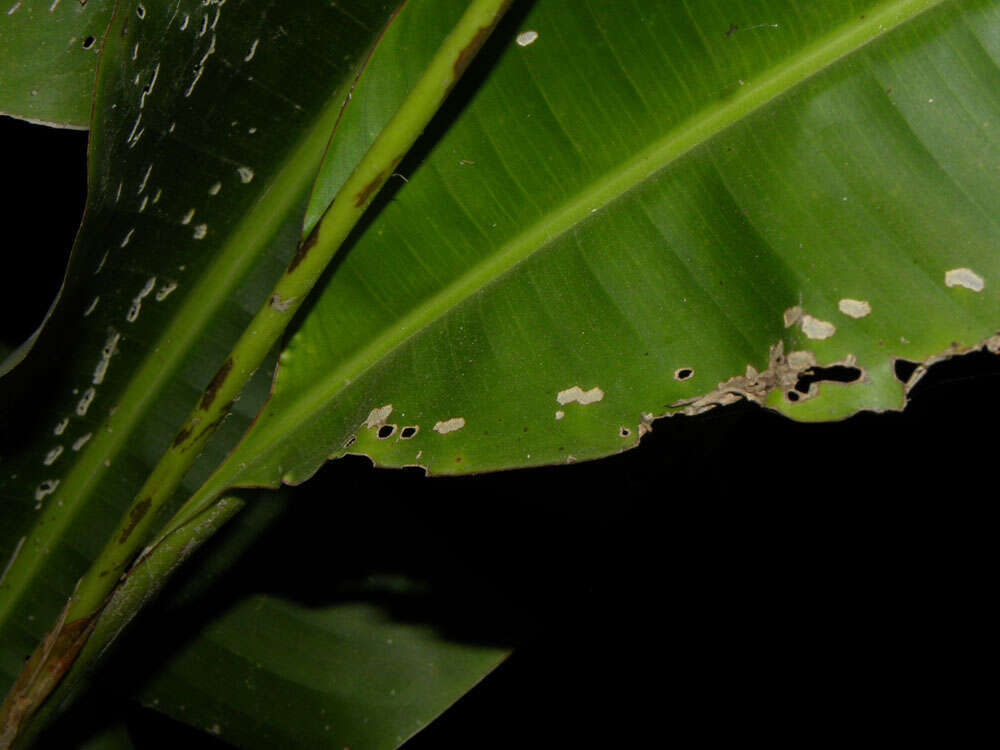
{"points": [[142, 583], [94, 591]]}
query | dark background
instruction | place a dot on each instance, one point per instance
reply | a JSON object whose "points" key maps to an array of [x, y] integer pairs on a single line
{"points": [[738, 576]]}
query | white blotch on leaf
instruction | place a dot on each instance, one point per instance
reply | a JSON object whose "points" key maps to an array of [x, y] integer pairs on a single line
{"points": [[246, 174], [186, 219], [61, 427], [145, 178], [815, 328], [200, 231], [165, 290], [964, 277], [110, 347], [854, 308], [527, 37], [580, 396], [253, 51], [91, 306], [450, 425], [214, 190], [560, 414], [84, 403], [81, 441], [377, 417], [791, 316], [52, 455], [45, 489]]}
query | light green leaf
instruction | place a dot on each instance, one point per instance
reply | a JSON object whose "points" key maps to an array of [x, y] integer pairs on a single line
{"points": [[701, 207], [205, 143], [49, 58]]}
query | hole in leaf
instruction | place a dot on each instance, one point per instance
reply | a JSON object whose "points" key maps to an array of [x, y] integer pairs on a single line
{"points": [[385, 431], [624, 432], [89, 42], [792, 396], [904, 369], [835, 374], [683, 373], [407, 432]]}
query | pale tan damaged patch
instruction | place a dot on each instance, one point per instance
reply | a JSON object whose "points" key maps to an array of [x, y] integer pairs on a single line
{"points": [[854, 308], [782, 373], [964, 277], [449, 425], [817, 329], [378, 416], [812, 327], [580, 396]]}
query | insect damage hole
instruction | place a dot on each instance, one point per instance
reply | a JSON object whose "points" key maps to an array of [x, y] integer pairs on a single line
{"points": [[385, 431], [89, 41], [834, 374], [904, 370], [683, 373], [408, 432]]}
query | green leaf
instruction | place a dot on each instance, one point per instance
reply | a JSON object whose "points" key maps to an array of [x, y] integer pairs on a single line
{"points": [[680, 218], [204, 146], [273, 673], [49, 59]]}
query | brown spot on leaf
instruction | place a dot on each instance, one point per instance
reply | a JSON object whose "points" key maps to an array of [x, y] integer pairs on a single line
{"points": [[304, 247], [183, 435], [469, 51], [134, 517], [216, 384], [369, 190], [733, 28]]}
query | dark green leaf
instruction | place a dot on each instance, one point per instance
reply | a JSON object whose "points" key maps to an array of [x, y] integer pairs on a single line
{"points": [[48, 57]]}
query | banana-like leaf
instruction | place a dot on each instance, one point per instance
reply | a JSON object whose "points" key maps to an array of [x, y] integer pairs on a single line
{"points": [[211, 121], [272, 673], [657, 208], [49, 57], [266, 670]]}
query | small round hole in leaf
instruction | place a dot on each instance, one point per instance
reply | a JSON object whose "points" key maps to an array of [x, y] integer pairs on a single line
{"points": [[385, 431]]}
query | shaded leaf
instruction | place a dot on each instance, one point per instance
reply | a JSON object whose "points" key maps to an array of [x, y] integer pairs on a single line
{"points": [[272, 673], [49, 59], [204, 146]]}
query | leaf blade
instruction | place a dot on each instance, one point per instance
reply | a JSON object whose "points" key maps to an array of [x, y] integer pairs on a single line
{"points": [[475, 335]]}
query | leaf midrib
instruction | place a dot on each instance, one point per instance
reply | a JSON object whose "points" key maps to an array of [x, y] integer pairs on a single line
{"points": [[696, 131], [255, 230]]}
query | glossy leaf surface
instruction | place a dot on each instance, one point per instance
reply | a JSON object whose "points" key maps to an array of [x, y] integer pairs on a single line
{"points": [[336, 664], [49, 59], [203, 150], [271, 673], [704, 205]]}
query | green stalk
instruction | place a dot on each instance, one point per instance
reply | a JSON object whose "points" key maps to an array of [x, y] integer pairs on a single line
{"points": [[59, 651], [141, 584], [312, 258]]}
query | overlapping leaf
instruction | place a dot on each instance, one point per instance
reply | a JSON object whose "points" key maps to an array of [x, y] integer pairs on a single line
{"points": [[212, 118], [49, 59]]}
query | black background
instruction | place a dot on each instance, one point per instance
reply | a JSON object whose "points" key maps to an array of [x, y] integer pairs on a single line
{"points": [[737, 577]]}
